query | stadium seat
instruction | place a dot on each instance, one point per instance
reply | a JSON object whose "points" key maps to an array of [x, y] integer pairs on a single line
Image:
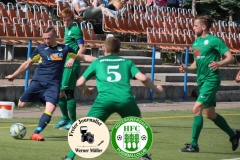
{"points": [[3, 34]]}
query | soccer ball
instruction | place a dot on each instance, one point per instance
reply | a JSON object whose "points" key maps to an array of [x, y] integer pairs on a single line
{"points": [[144, 138], [119, 137], [18, 131]]}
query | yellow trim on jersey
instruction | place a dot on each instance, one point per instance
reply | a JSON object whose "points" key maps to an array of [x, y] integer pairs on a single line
{"points": [[72, 55], [54, 45], [36, 59]]}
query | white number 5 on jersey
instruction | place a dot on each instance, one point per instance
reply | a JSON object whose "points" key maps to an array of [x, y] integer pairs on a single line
{"points": [[110, 70]]}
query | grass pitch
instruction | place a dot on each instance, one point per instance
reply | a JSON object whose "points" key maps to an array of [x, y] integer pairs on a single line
{"points": [[172, 129]]}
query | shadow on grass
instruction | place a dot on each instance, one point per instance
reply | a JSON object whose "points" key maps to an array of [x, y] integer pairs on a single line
{"points": [[234, 153], [181, 127], [57, 138]]}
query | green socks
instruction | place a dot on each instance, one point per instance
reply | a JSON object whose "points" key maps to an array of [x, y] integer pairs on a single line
{"points": [[198, 124], [71, 154], [63, 107], [71, 106], [196, 129], [222, 124]]}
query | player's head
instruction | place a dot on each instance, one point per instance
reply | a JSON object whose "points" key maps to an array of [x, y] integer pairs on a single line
{"points": [[112, 46], [67, 17], [50, 36], [202, 24]]}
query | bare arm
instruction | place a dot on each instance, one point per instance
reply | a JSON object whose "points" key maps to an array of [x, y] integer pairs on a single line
{"points": [[148, 83], [85, 58], [229, 59], [183, 68], [24, 66], [81, 83], [81, 50], [79, 9]]}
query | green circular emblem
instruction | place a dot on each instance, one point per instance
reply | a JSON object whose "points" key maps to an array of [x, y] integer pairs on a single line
{"points": [[131, 137]]}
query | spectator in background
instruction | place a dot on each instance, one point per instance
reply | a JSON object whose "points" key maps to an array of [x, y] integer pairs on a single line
{"points": [[118, 6], [88, 10], [156, 3], [174, 3]]}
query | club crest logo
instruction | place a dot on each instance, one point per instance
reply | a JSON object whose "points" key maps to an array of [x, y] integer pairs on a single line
{"points": [[206, 42], [131, 137]]}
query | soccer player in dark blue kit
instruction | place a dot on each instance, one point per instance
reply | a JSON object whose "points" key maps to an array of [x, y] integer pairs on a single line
{"points": [[45, 85]]}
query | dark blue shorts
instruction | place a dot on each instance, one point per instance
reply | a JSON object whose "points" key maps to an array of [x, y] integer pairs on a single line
{"points": [[41, 91]]}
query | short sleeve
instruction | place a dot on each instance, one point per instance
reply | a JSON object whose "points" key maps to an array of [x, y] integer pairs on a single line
{"points": [[35, 56], [134, 70], [90, 71], [220, 46], [77, 33], [72, 53]]}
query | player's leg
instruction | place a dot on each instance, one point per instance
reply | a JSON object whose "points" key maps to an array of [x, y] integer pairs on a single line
{"points": [[30, 95], [130, 108], [62, 103], [69, 92], [51, 96], [222, 124], [71, 107], [196, 128], [203, 98]]}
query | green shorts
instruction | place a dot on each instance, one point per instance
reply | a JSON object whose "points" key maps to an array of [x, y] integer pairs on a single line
{"points": [[69, 78], [102, 109], [207, 94]]}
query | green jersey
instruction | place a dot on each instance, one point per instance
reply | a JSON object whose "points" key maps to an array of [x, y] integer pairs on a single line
{"points": [[71, 36], [113, 74], [205, 51]]}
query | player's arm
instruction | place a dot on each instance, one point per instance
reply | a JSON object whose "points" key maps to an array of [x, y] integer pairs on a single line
{"points": [[81, 82], [82, 50], [135, 73], [183, 68], [34, 58], [228, 59], [223, 49], [23, 67], [237, 79], [85, 58], [148, 83]]}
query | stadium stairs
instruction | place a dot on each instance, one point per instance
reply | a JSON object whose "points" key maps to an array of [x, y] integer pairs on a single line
{"points": [[166, 75]]}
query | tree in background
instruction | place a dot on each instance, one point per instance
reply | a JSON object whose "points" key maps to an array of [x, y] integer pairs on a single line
{"points": [[216, 8], [232, 7]]}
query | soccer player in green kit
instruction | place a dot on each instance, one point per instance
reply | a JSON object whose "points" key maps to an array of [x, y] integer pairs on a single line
{"points": [[73, 38], [113, 74], [207, 50]]}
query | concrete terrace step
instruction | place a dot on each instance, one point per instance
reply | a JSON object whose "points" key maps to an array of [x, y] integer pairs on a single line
{"points": [[229, 90], [228, 73], [174, 77], [21, 52]]}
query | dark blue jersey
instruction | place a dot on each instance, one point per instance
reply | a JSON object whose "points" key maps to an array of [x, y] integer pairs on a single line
{"points": [[51, 62]]}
